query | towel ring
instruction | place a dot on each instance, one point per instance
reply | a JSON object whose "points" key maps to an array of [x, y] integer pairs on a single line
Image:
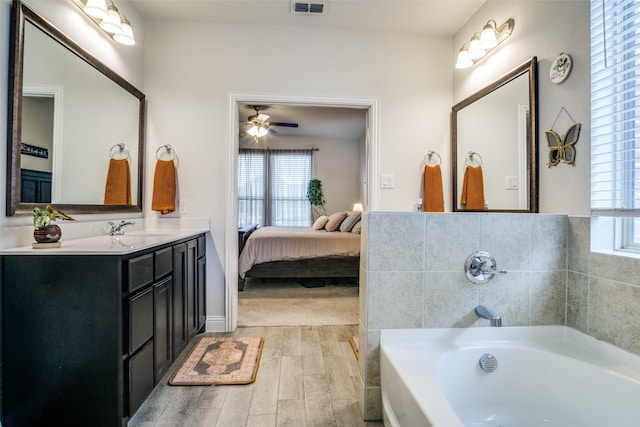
{"points": [[121, 148], [169, 151], [429, 158], [468, 161]]}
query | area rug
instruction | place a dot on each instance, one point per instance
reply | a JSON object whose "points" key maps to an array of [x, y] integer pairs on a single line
{"points": [[355, 345], [220, 361]]}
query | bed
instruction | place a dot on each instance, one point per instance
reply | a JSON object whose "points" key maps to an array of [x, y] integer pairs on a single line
{"points": [[299, 252]]}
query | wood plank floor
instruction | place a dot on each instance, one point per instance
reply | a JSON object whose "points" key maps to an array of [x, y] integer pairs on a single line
{"points": [[307, 378]]}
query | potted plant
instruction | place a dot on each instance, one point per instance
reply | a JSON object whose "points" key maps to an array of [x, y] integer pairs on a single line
{"points": [[316, 198], [44, 231]]}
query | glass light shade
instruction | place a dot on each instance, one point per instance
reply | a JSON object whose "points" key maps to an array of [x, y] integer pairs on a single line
{"points": [[112, 23], [488, 37], [253, 130], [257, 131], [463, 59], [126, 36], [475, 50], [96, 8], [357, 207]]}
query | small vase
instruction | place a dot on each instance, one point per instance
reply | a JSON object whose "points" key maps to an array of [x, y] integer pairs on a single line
{"points": [[47, 234]]}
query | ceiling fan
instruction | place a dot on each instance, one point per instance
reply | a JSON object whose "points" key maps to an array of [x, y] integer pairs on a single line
{"points": [[258, 125]]}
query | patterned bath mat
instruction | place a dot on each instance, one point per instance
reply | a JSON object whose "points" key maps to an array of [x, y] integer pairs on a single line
{"points": [[355, 345], [220, 361]]}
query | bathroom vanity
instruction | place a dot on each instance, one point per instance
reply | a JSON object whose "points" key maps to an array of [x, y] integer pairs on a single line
{"points": [[90, 328]]}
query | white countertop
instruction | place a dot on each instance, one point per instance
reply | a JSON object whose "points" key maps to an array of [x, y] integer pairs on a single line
{"points": [[130, 241]]}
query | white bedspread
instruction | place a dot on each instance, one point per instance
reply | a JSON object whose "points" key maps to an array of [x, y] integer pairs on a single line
{"points": [[288, 243]]}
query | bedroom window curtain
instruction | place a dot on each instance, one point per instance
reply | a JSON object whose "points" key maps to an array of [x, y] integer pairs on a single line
{"points": [[272, 187]]}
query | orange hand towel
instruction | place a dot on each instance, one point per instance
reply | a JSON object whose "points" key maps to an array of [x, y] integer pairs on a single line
{"points": [[118, 188], [472, 188], [432, 197], [164, 187]]}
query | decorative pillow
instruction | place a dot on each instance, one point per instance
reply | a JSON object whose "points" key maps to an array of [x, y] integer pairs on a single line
{"points": [[335, 220], [320, 222], [357, 228], [350, 221]]}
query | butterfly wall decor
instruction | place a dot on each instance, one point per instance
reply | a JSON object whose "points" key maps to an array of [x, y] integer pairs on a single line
{"points": [[562, 148]]}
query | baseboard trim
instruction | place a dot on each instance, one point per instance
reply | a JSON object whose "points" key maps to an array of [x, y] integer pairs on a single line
{"points": [[216, 324]]}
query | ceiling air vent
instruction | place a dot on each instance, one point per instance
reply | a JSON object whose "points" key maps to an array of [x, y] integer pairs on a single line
{"points": [[317, 8]]}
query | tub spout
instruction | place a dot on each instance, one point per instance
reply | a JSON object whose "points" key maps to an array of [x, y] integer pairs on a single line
{"points": [[485, 313]]}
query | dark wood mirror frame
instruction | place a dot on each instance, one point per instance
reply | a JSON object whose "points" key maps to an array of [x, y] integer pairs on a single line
{"points": [[529, 66], [19, 14]]}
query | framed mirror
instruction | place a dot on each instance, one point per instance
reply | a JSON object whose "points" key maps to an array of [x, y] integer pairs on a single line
{"points": [[494, 140], [69, 117]]}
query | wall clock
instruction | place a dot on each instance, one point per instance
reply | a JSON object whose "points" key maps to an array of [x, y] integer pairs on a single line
{"points": [[560, 68]]}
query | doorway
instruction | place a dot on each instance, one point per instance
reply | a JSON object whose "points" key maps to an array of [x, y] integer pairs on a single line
{"points": [[231, 214]]}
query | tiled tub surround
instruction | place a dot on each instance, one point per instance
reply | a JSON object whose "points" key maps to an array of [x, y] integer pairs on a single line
{"points": [[412, 276]]}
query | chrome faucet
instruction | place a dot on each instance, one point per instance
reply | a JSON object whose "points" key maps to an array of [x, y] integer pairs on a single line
{"points": [[485, 313], [116, 230]]}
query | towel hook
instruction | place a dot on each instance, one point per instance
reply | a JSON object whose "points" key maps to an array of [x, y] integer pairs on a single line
{"points": [[429, 158], [121, 149], [169, 151], [469, 159]]}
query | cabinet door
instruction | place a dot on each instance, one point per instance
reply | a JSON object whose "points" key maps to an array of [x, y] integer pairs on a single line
{"points": [[179, 328], [162, 327], [192, 288], [140, 377], [202, 300]]}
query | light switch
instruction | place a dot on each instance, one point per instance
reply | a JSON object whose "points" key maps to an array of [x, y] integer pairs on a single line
{"points": [[386, 181], [511, 182]]}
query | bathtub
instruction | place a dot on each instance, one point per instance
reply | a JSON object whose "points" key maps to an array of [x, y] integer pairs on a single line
{"points": [[546, 376]]}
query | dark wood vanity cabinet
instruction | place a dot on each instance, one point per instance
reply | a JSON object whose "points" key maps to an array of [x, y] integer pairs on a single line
{"points": [[87, 337]]}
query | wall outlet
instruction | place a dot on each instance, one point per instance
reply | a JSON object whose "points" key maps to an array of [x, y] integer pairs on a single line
{"points": [[184, 206], [511, 182], [386, 181]]}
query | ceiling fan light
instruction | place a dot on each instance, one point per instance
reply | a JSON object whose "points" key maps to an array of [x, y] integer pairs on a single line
{"points": [[96, 8], [253, 131], [262, 131], [112, 23]]}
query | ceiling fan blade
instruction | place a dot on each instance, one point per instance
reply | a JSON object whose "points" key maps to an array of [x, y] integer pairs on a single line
{"points": [[262, 117], [272, 131], [288, 125]]}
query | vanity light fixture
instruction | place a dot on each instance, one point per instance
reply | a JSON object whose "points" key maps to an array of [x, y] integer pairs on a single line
{"points": [[484, 42], [106, 15]]}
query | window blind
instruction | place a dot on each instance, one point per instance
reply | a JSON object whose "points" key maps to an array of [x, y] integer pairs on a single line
{"points": [[272, 187], [615, 107]]}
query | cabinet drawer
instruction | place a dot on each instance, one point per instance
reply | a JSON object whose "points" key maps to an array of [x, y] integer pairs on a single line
{"points": [[140, 319], [140, 377], [140, 271], [163, 262]]}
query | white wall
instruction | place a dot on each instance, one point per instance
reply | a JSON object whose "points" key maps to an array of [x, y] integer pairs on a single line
{"points": [[543, 29], [192, 69]]}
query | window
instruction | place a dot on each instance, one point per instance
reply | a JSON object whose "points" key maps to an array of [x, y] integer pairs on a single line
{"points": [[615, 117], [272, 187]]}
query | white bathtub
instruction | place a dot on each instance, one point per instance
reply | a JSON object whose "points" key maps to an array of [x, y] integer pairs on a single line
{"points": [[549, 376]]}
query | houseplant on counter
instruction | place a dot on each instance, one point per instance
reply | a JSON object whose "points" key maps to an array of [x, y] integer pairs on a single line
{"points": [[45, 231], [316, 198]]}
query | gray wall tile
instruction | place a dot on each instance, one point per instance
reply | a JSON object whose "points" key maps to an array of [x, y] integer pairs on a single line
{"points": [[396, 241], [395, 299], [507, 237], [548, 242], [449, 240], [577, 301], [578, 246], [548, 297]]}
